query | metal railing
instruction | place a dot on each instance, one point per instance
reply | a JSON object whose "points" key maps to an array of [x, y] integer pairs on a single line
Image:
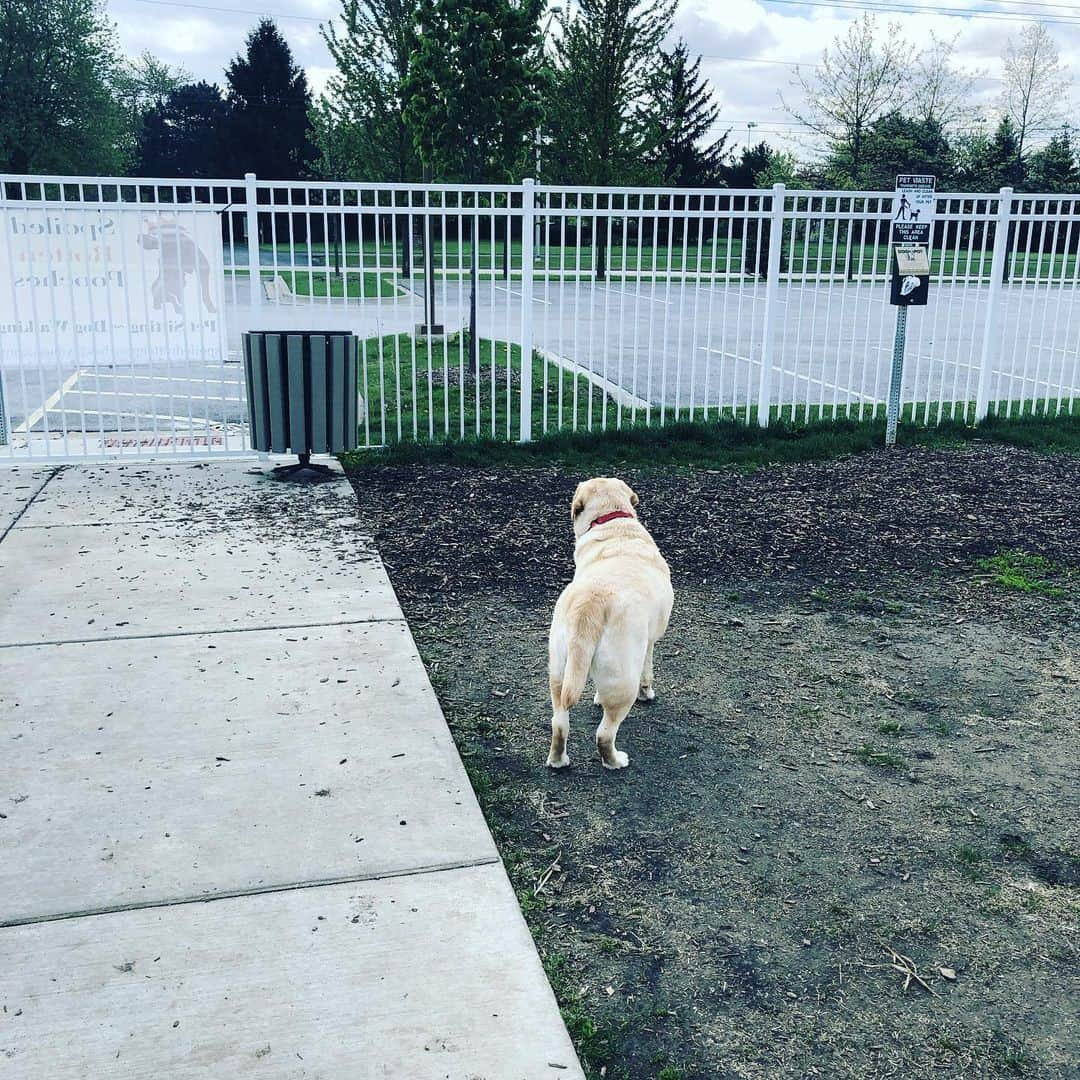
{"points": [[123, 301]]}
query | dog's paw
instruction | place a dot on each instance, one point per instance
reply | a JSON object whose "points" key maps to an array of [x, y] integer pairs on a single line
{"points": [[596, 699], [646, 693], [622, 759], [558, 763]]}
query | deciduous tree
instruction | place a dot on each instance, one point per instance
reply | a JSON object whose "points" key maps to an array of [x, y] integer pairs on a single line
{"points": [[605, 55], [59, 63], [1036, 84], [859, 79], [360, 123], [184, 134]]}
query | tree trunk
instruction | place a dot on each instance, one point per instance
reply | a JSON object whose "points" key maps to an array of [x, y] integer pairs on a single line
{"points": [[406, 248]]}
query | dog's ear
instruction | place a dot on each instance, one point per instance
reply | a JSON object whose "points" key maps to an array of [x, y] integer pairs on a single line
{"points": [[577, 505], [634, 500]]}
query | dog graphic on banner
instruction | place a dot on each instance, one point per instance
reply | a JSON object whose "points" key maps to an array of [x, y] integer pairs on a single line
{"points": [[179, 256]]}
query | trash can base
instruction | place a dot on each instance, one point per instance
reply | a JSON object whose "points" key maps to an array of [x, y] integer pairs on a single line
{"points": [[305, 472]]}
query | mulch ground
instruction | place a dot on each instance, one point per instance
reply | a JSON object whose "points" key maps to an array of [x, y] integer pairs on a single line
{"points": [[847, 844], [444, 530]]}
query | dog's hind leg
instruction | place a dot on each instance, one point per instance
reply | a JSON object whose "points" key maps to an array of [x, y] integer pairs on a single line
{"points": [[560, 728], [646, 691]]}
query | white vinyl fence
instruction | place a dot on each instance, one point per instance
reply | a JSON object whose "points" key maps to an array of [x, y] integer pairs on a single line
{"points": [[123, 301]]}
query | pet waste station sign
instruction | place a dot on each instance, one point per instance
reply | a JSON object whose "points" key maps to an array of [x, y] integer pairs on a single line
{"points": [[911, 236], [129, 283]]}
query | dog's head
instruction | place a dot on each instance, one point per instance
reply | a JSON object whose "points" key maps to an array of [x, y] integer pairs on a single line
{"points": [[598, 496]]}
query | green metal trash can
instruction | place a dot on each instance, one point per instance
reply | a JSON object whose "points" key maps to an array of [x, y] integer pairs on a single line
{"points": [[301, 392]]}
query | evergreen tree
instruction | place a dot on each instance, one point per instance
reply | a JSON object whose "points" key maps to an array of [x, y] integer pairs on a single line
{"points": [[891, 145], [752, 162], [472, 98], [685, 113], [184, 135], [986, 163], [1004, 163], [269, 101], [1054, 168]]}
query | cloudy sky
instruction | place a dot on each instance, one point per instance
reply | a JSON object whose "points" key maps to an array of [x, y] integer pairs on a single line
{"points": [[749, 47]]}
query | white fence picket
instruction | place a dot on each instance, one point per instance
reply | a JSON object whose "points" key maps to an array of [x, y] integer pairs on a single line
{"points": [[596, 307]]}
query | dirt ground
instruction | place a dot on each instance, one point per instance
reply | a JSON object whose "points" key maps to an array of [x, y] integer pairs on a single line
{"points": [[847, 843]]}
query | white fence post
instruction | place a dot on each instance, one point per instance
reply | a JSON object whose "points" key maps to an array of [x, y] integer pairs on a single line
{"points": [[993, 303], [528, 214], [254, 271], [772, 285]]}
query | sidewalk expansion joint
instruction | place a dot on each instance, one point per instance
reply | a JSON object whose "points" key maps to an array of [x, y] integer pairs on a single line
{"points": [[399, 618], [255, 890], [29, 502]]}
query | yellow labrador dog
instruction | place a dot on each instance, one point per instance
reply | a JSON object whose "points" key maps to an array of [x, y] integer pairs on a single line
{"points": [[608, 618]]}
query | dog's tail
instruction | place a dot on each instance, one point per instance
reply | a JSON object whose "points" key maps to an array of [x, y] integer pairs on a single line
{"points": [[586, 620]]}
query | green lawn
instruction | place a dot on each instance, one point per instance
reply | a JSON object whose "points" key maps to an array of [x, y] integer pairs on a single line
{"points": [[414, 393], [363, 286], [805, 260], [417, 394], [726, 443]]}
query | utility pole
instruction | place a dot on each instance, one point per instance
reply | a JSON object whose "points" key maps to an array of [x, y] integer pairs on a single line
{"points": [[552, 12]]}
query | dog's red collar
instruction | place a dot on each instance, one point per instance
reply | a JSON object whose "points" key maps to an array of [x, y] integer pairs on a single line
{"points": [[609, 517]]}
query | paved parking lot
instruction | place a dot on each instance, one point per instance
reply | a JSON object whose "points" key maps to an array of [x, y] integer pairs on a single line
{"points": [[672, 343]]}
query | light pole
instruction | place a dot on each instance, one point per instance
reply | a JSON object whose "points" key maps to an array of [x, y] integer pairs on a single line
{"points": [[552, 12], [750, 125]]}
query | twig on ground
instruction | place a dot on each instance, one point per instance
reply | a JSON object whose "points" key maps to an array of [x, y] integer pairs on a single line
{"points": [[906, 966], [545, 877]]}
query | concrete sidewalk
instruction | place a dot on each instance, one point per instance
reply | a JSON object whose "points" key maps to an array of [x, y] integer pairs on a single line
{"points": [[235, 835]]}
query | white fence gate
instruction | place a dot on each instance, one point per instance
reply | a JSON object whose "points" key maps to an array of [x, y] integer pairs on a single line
{"points": [[122, 302]]}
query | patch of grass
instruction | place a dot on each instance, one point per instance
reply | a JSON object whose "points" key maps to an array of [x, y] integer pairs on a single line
{"points": [[609, 946], [316, 282], [1022, 572], [891, 727], [1015, 1059], [880, 759], [970, 859], [729, 442], [670, 1072], [427, 391], [596, 1044]]}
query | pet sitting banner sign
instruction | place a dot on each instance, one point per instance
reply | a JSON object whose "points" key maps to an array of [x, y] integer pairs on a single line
{"points": [[124, 284]]}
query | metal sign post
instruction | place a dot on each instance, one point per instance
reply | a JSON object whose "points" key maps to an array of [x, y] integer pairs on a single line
{"points": [[911, 237], [897, 376]]}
